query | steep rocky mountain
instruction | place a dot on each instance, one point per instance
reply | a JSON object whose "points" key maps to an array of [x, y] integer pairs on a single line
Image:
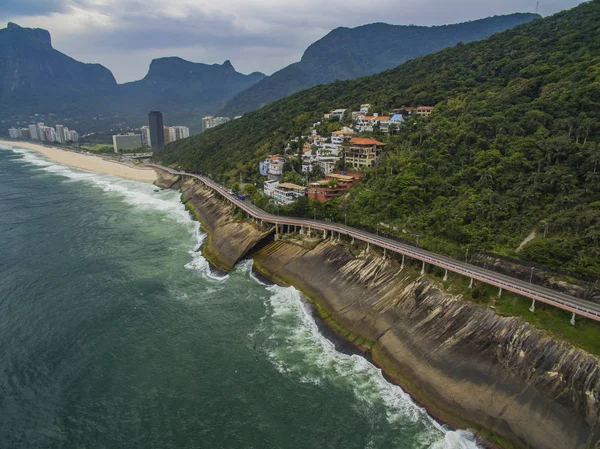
{"points": [[32, 72], [347, 53], [181, 87], [37, 79]]}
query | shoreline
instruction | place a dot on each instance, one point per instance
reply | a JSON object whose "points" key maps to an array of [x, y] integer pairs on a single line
{"points": [[348, 342], [87, 162], [431, 344]]}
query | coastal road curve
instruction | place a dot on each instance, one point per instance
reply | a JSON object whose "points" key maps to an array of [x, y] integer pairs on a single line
{"points": [[545, 295]]}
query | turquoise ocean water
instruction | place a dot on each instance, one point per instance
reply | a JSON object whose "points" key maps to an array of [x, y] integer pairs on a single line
{"points": [[114, 333]]}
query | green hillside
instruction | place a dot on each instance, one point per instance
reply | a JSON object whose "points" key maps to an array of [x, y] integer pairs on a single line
{"points": [[348, 53], [512, 146]]}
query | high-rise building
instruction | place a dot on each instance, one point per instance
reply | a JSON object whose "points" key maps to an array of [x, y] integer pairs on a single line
{"points": [[212, 122], [40, 131], [181, 132], [157, 131], [25, 134], [14, 133], [60, 134], [145, 132], [33, 132], [73, 136], [172, 134], [127, 142], [168, 135]]}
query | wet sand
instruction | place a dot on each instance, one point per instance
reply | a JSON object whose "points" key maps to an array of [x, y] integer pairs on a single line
{"points": [[88, 162]]}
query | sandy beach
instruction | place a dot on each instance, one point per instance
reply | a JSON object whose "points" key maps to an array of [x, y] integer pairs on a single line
{"points": [[88, 162]]}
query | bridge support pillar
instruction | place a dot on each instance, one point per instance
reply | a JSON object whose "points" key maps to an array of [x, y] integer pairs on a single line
{"points": [[331, 239], [368, 247], [339, 236], [445, 275], [402, 266], [324, 234], [384, 253], [573, 319], [423, 269], [352, 242], [532, 308], [471, 283], [500, 292]]}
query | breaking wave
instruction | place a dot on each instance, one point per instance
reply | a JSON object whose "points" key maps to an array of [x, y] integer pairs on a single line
{"points": [[297, 347]]}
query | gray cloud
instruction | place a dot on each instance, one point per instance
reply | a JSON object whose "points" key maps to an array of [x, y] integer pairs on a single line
{"points": [[31, 7], [255, 35]]}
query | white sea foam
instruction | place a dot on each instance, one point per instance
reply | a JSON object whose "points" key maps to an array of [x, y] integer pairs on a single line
{"points": [[297, 347], [245, 267], [141, 195]]}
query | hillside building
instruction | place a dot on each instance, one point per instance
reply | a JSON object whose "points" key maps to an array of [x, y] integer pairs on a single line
{"points": [[362, 152], [424, 111], [287, 193], [212, 122]]}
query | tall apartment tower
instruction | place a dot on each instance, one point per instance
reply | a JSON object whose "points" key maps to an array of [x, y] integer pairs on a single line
{"points": [[157, 130]]}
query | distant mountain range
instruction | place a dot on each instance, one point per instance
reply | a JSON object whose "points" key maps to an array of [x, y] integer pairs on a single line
{"points": [[348, 53], [36, 78]]}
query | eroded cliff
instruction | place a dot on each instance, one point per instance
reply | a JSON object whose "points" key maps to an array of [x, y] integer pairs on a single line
{"points": [[514, 384], [469, 366], [229, 238]]}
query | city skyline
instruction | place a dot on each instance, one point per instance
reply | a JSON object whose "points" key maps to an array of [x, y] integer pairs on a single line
{"points": [[39, 131], [253, 35]]}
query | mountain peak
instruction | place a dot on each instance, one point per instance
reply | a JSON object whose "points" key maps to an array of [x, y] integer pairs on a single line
{"points": [[37, 33], [346, 53]]}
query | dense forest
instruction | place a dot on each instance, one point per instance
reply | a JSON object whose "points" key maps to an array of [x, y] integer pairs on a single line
{"points": [[511, 148], [348, 53]]}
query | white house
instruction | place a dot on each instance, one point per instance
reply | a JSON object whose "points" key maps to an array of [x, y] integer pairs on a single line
{"points": [[339, 137], [287, 193], [367, 123], [269, 187]]}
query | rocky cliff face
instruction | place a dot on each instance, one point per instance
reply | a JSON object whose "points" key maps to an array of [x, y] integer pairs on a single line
{"points": [[468, 365], [166, 180], [515, 385], [229, 239], [30, 66]]}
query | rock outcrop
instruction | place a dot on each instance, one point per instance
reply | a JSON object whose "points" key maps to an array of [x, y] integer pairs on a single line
{"points": [[515, 385], [229, 239], [166, 180], [467, 365]]}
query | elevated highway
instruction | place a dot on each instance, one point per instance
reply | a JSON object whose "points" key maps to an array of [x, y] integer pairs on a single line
{"points": [[503, 282]]}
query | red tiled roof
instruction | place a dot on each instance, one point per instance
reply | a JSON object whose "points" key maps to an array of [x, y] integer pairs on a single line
{"points": [[365, 141]]}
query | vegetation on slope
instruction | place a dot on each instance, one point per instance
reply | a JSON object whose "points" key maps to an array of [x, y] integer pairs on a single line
{"points": [[348, 53], [512, 146]]}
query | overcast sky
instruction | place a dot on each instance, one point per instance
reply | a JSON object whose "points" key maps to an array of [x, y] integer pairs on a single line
{"points": [[256, 35]]}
